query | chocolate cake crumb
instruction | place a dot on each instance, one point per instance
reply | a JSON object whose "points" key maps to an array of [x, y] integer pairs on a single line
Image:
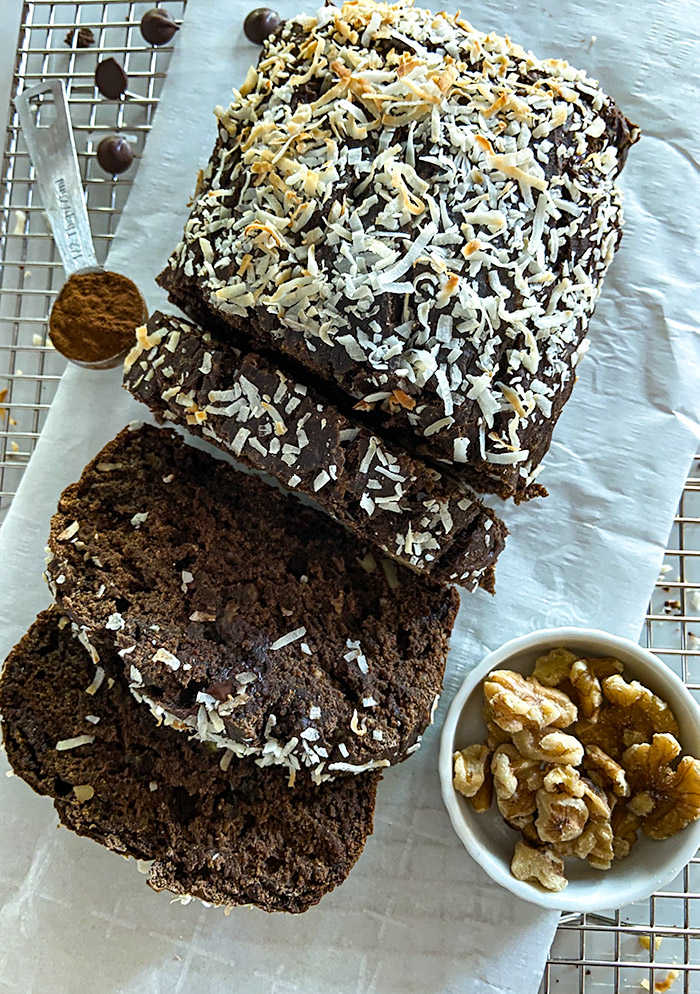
{"points": [[268, 576], [232, 836]]}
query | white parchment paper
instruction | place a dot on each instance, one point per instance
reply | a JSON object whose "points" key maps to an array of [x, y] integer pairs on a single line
{"points": [[416, 915]]}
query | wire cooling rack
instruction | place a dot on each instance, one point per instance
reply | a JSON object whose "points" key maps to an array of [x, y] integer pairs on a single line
{"points": [[591, 953]]}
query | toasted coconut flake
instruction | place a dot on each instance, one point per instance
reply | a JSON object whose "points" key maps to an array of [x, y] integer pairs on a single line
{"points": [[78, 740]]}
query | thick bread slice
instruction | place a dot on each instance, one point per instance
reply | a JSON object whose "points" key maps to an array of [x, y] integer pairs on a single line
{"points": [[274, 423], [230, 836], [261, 624]]}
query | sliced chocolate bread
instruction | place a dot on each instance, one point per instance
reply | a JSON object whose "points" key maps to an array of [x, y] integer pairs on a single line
{"points": [[228, 834], [273, 423], [258, 623], [406, 206]]}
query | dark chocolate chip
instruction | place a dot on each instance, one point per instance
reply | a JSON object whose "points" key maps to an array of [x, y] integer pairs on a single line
{"points": [[260, 24], [220, 691], [114, 154], [84, 37], [158, 26], [110, 79]]}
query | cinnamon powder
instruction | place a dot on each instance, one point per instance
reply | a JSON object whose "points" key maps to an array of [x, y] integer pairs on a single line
{"points": [[95, 316]]}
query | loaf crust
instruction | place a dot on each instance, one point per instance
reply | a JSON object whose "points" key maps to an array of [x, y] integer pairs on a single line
{"points": [[410, 208]]}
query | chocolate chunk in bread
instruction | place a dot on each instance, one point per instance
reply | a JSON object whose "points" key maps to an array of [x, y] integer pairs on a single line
{"points": [[273, 423], [233, 835], [258, 623], [406, 206]]}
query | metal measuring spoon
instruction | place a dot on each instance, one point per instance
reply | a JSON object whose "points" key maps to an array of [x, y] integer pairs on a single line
{"points": [[49, 138]]}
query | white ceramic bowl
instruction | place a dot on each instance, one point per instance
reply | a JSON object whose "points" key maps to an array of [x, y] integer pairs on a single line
{"points": [[651, 865]]}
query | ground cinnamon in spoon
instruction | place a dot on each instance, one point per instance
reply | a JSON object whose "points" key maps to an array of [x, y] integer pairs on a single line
{"points": [[94, 317]]}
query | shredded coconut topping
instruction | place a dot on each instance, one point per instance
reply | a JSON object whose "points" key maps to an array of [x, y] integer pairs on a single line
{"points": [[97, 681], [69, 532], [400, 189], [289, 637], [264, 417], [74, 743], [163, 656]]}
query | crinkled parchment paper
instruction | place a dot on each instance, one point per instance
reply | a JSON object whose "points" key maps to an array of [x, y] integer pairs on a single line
{"points": [[416, 915]]}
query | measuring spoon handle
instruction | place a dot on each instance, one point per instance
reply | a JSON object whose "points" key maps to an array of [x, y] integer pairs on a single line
{"points": [[52, 151]]}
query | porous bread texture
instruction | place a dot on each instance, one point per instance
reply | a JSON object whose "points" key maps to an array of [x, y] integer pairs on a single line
{"points": [[226, 833], [241, 616]]}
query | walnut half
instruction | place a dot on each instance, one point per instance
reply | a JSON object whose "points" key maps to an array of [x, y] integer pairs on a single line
{"points": [[540, 864], [603, 770], [554, 667], [561, 817], [516, 781], [470, 768], [665, 796], [587, 687], [519, 702], [550, 745], [625, 825], [594, 844], [631, 714]]}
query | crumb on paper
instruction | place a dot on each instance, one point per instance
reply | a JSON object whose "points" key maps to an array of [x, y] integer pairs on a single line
{"points": [[694, 598], [3, 396], [14, 446], [672, 607], [665, 569], [645, 941], [644, 984], [661, 986]]}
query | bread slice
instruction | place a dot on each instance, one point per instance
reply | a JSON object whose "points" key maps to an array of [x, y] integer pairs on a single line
{"points": [[269, 421], [413, 210], [258, 623], [232, 835]]}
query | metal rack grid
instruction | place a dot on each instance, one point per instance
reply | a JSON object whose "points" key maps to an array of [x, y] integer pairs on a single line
{"points": [[591, 953]]}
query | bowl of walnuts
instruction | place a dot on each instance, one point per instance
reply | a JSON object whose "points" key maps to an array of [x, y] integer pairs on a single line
{"points": [[568, 766]]}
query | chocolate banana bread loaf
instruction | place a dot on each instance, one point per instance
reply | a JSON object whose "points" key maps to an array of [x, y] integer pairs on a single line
{"points": [[246, 406], [226, 833], [420, 215], [239, 614]]}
